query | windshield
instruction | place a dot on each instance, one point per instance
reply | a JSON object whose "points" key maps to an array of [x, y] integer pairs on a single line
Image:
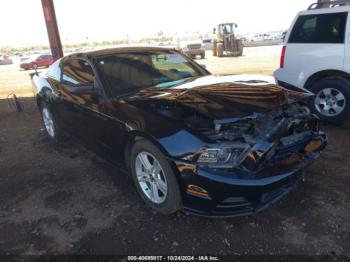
{"points": [[226, 29], [124, 73]]}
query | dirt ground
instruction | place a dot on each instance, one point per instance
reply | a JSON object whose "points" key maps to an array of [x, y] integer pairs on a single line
{"points": [[64, 199]]}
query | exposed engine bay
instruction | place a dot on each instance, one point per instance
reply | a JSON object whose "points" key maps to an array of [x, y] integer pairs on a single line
{"points": [[271, 136], [284, 121], [265, 127]]}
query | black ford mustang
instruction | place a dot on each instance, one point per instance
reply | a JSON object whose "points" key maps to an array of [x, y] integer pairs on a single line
{"points": [[212, 145]]}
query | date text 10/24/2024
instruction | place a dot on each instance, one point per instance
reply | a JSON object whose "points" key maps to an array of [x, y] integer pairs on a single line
{"points": [[173, 258]]}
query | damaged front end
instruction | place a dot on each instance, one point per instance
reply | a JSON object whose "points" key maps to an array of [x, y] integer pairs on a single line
{"points": [[285, 135], [253, 161], [239, 147]]}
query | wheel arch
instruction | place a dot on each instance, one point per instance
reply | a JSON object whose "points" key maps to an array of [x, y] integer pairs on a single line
{"points": [[323, 74], [132, 138], [39, 100], [43, 96]]}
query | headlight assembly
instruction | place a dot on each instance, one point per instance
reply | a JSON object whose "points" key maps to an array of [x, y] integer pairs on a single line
{"points": [[223, 157]]}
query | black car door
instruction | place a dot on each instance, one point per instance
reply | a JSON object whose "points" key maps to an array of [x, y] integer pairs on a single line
{"points": [[83, 108], [75, 94]]}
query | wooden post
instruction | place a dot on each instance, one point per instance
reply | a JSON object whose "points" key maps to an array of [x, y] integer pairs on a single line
{"points": [[52, 29]]}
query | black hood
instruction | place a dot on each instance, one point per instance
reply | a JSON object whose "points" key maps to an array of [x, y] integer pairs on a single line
{"points": [[219, 97]]}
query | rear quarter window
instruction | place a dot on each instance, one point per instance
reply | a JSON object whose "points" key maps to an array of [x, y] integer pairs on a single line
{"points": [[320, 28]]}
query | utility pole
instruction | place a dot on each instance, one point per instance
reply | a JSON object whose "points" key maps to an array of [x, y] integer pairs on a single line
{"points": [[52, 29]]}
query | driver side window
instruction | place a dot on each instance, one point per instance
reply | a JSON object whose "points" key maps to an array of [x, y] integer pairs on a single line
{"points": [[77, 72], [78, 83]]}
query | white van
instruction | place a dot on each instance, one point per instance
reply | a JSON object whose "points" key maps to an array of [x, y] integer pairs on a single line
{"points": [[316, 57]]}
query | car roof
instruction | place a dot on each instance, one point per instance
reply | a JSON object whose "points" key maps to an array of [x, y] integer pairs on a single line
{"points": [[328, 10], [117, 50]]}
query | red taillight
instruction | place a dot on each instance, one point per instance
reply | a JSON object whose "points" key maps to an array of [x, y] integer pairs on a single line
{"points": [[283, 53]]}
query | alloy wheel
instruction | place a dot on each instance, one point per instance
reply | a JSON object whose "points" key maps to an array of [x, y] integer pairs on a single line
{"points": [[330, 102], [48, 122], [151, 178]]}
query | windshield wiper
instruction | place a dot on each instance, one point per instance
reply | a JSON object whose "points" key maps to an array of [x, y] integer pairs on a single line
{"points": [[174, 83]]}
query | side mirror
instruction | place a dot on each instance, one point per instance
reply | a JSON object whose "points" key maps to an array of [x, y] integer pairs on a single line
{"points": [[236, 25], [214, 31]]}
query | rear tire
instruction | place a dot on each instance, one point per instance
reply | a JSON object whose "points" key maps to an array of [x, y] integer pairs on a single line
{"points": [[220, 50], [214, 49], [240, 47], [332, 99], [154, 178]]}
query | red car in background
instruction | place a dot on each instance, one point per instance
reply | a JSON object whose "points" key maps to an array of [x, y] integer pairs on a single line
{"points": [[39, 61], [5, 59]]}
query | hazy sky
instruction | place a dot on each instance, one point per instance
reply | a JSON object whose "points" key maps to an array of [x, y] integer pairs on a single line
{"points": [[22, 21]]}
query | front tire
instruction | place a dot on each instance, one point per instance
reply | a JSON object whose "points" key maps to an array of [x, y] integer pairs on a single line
{"points": [[332, 99], [154, 178]]}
